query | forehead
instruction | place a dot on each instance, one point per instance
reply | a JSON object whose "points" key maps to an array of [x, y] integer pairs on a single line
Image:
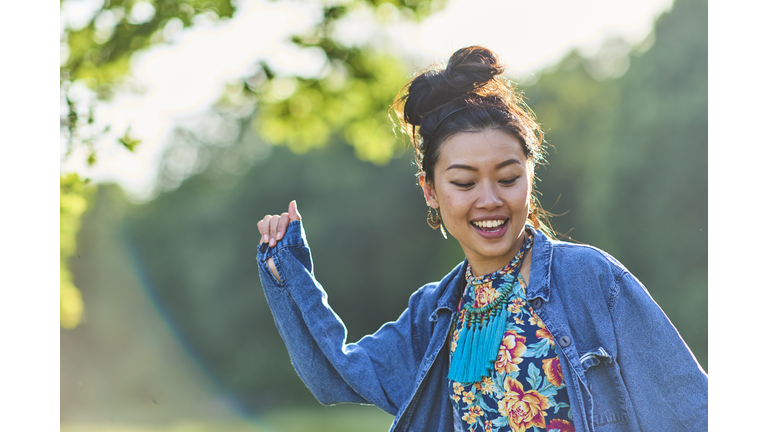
{"points": [[480, 149]]}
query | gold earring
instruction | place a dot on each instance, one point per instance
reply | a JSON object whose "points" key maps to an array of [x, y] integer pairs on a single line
{"points": [[433, 218], [533, 214]]}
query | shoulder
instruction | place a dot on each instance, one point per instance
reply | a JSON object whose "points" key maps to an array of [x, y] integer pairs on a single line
{"points": [[592, 270], [577, 269], [582, 257]]}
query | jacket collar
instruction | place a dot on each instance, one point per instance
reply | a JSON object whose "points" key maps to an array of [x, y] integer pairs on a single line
{"points": [[541, 266], [450, 288]]}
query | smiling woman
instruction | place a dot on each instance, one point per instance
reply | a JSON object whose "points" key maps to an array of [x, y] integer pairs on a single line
{"points": [[527, 333], [482, 188]]}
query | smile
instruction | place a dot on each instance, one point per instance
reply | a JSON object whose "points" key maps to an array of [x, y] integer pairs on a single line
{"points": [[489, 225]]}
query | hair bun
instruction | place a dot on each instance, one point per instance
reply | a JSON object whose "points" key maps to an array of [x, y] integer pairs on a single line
{"points": [[468, 70], [472, 67]]}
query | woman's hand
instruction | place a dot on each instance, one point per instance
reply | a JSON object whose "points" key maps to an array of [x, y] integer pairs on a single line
{"points": [[272, 229]]}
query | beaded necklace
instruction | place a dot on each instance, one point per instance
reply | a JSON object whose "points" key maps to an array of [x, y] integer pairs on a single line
{"points": [[483, 328]]}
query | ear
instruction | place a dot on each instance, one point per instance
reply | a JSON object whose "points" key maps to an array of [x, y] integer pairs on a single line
{"points": [[430, 195]]}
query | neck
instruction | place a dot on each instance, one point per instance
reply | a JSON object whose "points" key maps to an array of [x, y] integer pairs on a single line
{"points": [[482, 267]]}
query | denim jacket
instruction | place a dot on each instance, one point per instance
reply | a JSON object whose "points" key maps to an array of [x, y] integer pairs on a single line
{"points": [[625, 366]]}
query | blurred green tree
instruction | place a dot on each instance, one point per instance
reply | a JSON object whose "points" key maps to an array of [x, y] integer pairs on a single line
{"points": [[352, 99], [73, 202], [98, 55]]}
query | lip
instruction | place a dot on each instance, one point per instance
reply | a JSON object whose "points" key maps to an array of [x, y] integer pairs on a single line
{"points": [[499, 232]]}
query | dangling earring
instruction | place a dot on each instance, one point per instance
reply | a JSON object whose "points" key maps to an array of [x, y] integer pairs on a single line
{"points": [[533, 214], [435, 220]]}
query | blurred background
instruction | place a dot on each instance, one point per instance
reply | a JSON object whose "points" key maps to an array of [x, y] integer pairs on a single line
{"points": [[184, 122]]}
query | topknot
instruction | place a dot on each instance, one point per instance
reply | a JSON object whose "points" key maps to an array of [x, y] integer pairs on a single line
{"points": [[472, 67], [470, 73]]}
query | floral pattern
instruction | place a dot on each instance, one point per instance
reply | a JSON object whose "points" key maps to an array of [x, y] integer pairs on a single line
{"points": [[524, 408], [510, 352], [525, 391]]}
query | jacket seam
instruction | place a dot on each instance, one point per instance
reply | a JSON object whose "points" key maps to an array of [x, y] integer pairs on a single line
{"points": [[614, 293]]}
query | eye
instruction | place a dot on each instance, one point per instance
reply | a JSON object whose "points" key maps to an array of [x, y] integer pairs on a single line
{"points": [[463, 185], [509, 181]]}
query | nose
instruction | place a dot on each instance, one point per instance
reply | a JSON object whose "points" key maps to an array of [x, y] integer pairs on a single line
{"points": [[488, 197]]}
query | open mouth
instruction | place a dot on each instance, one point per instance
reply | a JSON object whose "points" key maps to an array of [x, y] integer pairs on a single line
{"points": [[490, 226]]}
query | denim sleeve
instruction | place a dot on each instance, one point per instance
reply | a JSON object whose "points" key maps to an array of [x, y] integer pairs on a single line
{"points": [[666, 384], [376, 370]]}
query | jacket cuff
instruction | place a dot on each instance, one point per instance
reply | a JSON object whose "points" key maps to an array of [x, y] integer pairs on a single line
{"points": [[294, 236]]}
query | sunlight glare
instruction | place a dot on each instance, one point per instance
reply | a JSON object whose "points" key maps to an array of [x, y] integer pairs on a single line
{"points": [[531, 36]]}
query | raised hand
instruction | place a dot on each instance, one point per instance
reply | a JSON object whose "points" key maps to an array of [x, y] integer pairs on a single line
{"points": [[272, 228]]}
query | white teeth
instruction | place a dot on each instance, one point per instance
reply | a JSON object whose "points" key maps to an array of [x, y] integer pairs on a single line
{"points": [[488, 223]]}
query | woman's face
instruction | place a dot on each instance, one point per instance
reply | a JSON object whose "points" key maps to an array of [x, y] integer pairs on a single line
{"points": [[482, 186]]}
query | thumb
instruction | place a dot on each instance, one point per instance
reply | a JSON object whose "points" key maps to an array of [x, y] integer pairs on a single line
{"points": [[293, 212]]}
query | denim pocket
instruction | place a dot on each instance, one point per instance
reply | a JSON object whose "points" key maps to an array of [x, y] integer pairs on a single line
{"points": [[609, 395]]}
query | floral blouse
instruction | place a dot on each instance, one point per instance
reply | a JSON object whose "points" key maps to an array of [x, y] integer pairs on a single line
{"points": [[525, 390]]}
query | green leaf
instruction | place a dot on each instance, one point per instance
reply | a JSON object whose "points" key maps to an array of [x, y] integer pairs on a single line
{"points": [[128, 141]]}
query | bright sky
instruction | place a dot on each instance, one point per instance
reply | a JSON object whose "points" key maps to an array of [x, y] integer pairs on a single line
{"points": [[183, 79]]}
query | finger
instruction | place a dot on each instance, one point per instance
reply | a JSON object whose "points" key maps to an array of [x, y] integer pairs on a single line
{"points": [[264, 228], [273, 230], [261, 234], [293, 212], [282, 225]]}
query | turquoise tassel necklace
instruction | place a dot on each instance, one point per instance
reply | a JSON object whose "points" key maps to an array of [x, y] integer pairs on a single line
{"points": [[483, 328]]}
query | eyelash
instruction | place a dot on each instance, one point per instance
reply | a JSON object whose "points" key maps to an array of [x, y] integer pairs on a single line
{"points": [[468, 185], [509, 182]]}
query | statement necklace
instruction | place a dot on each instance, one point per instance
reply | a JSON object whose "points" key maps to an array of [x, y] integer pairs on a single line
{"points": [[483, 328]]}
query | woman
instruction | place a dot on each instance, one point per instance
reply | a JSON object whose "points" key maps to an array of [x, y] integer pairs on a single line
{"points": [[527, 333]]}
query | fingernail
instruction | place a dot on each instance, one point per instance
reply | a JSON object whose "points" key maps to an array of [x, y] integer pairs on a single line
{"points": [[272, 243], [279, 236]]}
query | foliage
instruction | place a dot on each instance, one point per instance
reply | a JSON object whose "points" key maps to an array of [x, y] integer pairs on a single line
{"points": [[320, 108], [99, 54], [73, 202], [352, 96], [351, 100]]}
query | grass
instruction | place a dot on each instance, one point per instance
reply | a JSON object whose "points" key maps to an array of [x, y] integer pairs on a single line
{"points": [[342, 418]]}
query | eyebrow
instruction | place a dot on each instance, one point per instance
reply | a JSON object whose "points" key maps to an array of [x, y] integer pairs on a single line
{"points": [[500, 165]]}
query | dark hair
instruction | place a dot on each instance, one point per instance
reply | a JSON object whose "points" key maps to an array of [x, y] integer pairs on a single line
{"points": [[467, 95]]}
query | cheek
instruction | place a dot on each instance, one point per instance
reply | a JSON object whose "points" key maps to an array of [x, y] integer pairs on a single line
{"points": [[453, 206]]}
